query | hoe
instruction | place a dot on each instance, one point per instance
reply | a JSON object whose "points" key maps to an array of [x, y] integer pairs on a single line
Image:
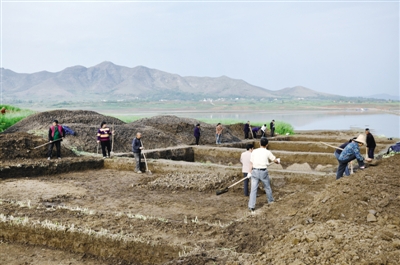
{"points": [[47, 143], [219, 192]]}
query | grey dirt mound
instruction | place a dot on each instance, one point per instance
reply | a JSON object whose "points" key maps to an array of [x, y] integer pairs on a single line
{"points": [[157, 132]]}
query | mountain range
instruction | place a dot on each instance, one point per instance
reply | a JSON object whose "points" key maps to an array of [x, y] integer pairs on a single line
{"points": [[107, 81]]}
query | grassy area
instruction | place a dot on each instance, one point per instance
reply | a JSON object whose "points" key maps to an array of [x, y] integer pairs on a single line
{"points": [[12, 116], [284, 128]]}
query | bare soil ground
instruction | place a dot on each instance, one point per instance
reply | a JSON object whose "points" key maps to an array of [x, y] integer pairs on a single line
{"points": [[173, 216]]}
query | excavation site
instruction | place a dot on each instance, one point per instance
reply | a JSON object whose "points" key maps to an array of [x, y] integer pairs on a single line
{"points": [[83, 209]]}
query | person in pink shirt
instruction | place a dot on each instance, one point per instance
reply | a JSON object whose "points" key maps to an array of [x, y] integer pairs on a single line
{"points": [[246, 166], [218, 133]]}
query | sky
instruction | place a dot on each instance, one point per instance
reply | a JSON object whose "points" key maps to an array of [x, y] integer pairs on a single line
{"points": [[348, 48]]}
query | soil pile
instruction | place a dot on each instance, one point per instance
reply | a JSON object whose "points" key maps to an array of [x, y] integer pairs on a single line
{"points": [[157, 132], [20, 146], [169, 130], [353, 221]]}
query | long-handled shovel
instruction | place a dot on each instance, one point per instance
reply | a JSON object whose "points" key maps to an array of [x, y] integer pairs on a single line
{"points": [[219, 192], [351, 164], [145, 161], [47, 143]]}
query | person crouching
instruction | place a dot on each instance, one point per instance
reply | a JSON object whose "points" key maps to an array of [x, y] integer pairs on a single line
{"points": [[349, 153]]}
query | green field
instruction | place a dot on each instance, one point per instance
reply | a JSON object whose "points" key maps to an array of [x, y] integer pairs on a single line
{"points": [[12, 116]]}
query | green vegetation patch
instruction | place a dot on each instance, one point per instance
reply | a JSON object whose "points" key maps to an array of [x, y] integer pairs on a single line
{"points": [[12, 116], [284, 128]]}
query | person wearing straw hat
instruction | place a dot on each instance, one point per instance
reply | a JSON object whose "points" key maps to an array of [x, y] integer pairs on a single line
{"points": [[339, 150], [349, 153]]}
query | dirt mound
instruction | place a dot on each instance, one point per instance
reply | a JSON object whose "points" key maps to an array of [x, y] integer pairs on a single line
{"points": [[168, 130], [42, 120], [354, 220], [157, 132], [20, 146]]}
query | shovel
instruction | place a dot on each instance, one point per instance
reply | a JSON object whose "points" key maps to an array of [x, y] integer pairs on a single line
{"points": [[47, 143], [219, 192], [145, 161]]}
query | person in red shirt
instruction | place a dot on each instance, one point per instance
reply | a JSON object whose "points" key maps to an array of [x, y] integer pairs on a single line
{"points": [[56, 135]]}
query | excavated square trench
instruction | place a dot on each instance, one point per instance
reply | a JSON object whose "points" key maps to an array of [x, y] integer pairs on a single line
{"points": [[115, 215]]}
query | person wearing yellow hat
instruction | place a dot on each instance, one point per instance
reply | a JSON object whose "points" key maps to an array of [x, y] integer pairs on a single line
{"points": [[349, 153]]}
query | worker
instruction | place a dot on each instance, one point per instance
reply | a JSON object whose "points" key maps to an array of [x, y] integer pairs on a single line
{"points": [[339, 150], [245, 160], [272, 127], [218, 133], [349, 153], [246, 130], [259, 161], [370, 145], [197, 133], [103, 137], [137, 148], [56, 135]]}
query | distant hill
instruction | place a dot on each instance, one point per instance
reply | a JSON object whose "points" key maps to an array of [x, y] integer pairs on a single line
{"points": [[107, 81], [302, 92]]}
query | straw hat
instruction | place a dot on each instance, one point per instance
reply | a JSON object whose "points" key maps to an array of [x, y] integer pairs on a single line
{"points": [[361, 139]]}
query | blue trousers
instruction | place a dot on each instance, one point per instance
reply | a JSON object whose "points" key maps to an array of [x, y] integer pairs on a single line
{"points": [[346, 170], [343, 164], [256, 176]]}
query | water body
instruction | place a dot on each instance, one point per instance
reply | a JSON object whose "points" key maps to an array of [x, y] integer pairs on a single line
{"points": [[382, 124]]}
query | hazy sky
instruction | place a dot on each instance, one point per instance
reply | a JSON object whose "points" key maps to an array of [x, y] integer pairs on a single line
{"points": [[339, 47]]}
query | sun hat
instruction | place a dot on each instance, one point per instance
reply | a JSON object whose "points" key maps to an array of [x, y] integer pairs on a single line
{"points": [[361, 139]]}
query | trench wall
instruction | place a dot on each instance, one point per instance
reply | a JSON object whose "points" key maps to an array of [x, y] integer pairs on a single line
{"points": [[140, 253], [52, 167]]}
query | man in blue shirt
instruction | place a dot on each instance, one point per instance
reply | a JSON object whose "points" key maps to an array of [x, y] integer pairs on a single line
{"points": [[349, 153]]}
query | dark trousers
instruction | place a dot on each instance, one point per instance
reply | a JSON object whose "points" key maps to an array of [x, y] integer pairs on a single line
{"points": [[255, 135], [272, 132], [246, 135], [197, 139], [58, 148], [137, 160], [343, 165], [371, 152], [103, 147], [246, 185]]}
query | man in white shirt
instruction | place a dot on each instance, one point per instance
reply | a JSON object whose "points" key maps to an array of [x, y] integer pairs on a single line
{"points": [[259, 161], [246, 166]]}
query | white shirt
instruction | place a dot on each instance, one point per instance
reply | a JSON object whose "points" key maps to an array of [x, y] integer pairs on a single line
{"points": [[263, 128], [245, 160], [260, 156]]}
